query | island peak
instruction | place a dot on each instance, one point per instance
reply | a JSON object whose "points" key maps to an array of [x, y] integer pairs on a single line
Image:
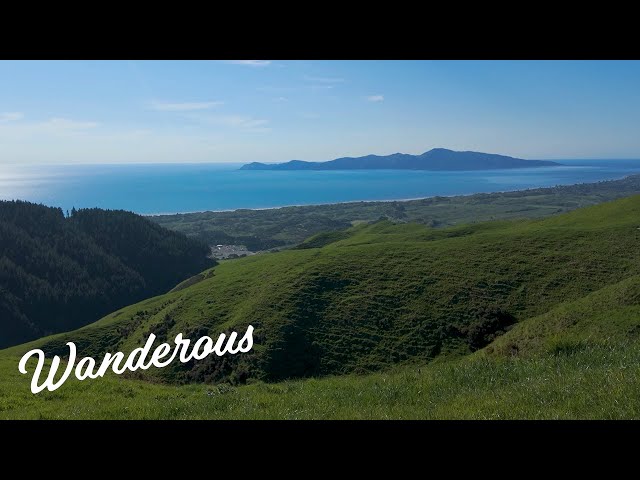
{"points": [[434, 159]]}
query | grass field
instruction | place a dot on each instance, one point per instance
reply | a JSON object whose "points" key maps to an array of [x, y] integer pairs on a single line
{"points": [[382, 317], [594, 382]]}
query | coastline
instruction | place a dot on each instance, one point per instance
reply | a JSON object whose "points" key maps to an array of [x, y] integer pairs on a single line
{"points": [[627, 175]]}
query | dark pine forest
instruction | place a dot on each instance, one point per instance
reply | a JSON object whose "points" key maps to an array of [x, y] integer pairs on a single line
{"points": [[59, 272]]}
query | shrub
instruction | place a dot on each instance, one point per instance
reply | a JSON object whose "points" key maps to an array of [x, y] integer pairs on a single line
{"points": [[489, 323]]}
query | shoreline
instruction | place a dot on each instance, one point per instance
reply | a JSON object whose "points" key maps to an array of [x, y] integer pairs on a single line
{"points": [[382, 201]]}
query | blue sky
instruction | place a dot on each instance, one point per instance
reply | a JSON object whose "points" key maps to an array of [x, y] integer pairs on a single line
{"points": [[271, 111]]}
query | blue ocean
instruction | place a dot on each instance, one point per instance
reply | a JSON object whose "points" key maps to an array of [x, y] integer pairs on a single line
{"points": [[172, 188]]}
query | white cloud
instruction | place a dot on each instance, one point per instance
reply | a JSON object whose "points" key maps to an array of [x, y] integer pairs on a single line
{"points": [[280, 99], [276, 90], [323, 79], [319, 88], [251, 63], [66, 124], [11, 116], [243, 122], [184, 106], [38, 131], [375, 98], [240, 121]]}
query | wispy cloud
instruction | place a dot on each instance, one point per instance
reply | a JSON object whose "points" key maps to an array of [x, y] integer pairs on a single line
{"points": [[241, 121], [65, 124], [276, 90], [183, 106], [280, 99], [320, 88], [53, 127], [251, 63], [11, 116], [375, 98], [310, 78]]}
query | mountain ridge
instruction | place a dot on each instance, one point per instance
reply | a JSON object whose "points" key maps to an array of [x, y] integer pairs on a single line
{"points": [[436, 159]]}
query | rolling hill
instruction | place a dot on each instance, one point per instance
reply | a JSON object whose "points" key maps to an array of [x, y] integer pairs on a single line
{"points": [[435, 159], [383, 295]]}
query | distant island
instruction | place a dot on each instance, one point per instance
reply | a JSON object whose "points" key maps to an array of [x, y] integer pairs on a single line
{"points": [[436, 159]]}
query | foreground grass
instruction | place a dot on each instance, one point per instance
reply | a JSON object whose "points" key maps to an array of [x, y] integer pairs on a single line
{"points": [[587, 382]]}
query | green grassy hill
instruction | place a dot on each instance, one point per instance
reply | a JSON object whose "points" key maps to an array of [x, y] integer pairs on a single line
{"points": [[385, 295], [593, 382], [608, 316], [581, 360]]}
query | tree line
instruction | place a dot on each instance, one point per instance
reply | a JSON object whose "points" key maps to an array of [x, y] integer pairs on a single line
{"points": [[59, 272]]}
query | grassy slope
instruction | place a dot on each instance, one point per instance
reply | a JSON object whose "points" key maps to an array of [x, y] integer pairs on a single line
{"points": [[595, 382], [578, 352], [610, 316], [386, 295], [597, 377]]}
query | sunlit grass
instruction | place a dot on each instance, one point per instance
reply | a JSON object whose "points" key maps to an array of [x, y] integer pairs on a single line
{"points": [[599, 381]]}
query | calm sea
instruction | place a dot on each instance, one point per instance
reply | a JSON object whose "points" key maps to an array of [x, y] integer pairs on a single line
{"points": [[162, 188]]}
